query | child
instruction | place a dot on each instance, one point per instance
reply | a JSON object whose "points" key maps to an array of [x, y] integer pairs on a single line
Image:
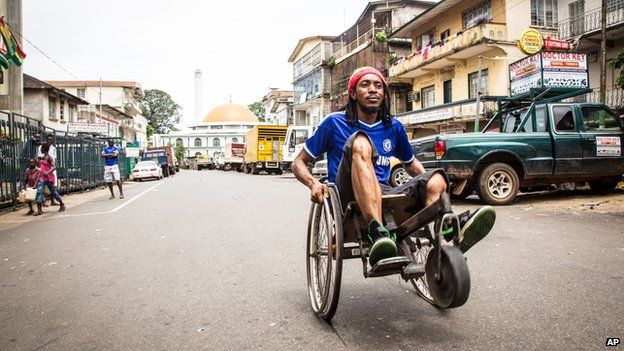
{"points": [[31, 178], [46, 178]]}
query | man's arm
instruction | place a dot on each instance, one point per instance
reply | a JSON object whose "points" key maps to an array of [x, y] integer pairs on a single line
{"points": [[414, 168], [299, 167]]}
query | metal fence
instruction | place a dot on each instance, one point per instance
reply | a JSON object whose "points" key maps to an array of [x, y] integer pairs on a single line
{"points": [[78, 162]]}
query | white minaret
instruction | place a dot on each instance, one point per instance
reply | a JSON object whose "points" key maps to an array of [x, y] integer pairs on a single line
{"points": [[199, 96]]}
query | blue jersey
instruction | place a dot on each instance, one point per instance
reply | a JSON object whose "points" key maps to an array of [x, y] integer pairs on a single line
{"points": [[109, 150], [334, 131]]}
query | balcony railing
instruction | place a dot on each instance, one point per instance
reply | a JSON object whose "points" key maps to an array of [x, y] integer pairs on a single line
{"points": [[319, 55], [614, 98], [591, 21], [457, 42]]}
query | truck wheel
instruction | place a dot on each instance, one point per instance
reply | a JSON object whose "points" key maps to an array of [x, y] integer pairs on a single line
{"points": [[603, 187], [497, 184], [254, 170], [398, 176], [278, 172]]}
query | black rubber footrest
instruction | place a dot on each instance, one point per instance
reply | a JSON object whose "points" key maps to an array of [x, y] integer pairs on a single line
{"points": [[387, 266]]}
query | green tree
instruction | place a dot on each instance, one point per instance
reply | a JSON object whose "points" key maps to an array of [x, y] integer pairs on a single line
{"points": [[618, 63], [150, 131], [179, 151], [258, 110], [161, 111]]}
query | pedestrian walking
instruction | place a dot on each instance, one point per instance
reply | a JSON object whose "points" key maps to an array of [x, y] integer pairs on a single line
{"points": [[47, 178], [31, 178], [52, 153], [111, 168]]}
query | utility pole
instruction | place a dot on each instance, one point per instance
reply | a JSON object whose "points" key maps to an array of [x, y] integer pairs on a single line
{"points": [[478, 103], [603, 52]]}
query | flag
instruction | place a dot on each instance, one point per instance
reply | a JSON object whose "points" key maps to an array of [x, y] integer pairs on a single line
{"points": [[14, 51]]}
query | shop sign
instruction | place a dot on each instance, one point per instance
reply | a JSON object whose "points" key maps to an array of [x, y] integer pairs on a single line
{"points": [[525, 74], [557, 44], [431, 116], [549, 69], [91, 128], [132, 151], [530, 41]]}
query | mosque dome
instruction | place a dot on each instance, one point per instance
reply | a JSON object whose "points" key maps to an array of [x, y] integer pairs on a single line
{"points": [[230, 113]]}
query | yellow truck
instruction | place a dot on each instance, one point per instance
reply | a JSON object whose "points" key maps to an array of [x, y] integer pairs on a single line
{"points": [[263, 149]]}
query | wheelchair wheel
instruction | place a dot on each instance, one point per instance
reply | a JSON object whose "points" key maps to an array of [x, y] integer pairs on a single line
{"points": [[452, 287], [420, 284], [324, 256]]}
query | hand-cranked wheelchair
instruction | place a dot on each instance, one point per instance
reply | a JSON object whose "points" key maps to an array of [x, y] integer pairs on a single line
{"points": [[428, 241]]}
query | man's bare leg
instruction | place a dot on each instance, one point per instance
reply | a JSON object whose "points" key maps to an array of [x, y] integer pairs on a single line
{"points": [[365, 185], [121, 195], [110, 187], [436, 186]]}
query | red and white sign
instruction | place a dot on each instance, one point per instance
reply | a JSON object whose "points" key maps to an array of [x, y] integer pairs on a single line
{"points": [[557, 44], [564, 61]]}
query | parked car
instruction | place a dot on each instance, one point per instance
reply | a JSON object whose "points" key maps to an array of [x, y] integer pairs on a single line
{"points": [[320, 168], [147, 169], [547, 142]]}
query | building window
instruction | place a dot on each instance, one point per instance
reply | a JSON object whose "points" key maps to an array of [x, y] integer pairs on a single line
{"points": [[424, 39], [62, 110], [216, 142], [81, 93], [472, 84], [614, 5], [427, 96], [70, 113], [448, 91], [544, 13], [235, 140], [481, 13], [198, 142], [179, 141], [444, 35], [577, 14], [52, 108]]}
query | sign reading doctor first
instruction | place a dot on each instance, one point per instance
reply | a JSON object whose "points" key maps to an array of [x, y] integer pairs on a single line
{"points": [[549, 69]]}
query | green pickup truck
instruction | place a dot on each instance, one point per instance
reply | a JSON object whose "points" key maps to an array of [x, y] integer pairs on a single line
{"points": [[530, 144]]}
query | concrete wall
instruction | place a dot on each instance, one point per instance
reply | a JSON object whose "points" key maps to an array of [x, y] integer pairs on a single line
{"points": [[459, 79], [36, 105], [452, 19]]}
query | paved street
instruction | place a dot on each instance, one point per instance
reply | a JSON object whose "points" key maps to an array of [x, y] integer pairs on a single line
{"points": [[215, 261]]}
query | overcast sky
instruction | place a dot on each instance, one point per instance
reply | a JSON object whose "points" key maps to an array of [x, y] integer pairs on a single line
{"points": [[241, 46]]}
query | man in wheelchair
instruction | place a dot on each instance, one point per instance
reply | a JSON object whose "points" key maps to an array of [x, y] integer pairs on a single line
{"points": [[359, 142]]}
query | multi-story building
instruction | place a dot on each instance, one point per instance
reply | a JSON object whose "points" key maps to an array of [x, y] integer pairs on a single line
{"points": [[366, 44], [52, 106], [278, 107], [448, 42], [311, 79], [123, 96], [580, 22]]}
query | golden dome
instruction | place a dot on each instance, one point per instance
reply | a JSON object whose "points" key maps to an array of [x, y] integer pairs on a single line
{"points": [[230, 113]]}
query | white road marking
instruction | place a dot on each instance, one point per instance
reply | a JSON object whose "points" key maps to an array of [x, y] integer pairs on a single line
{"points": [[104, 212], [134, 198]]}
